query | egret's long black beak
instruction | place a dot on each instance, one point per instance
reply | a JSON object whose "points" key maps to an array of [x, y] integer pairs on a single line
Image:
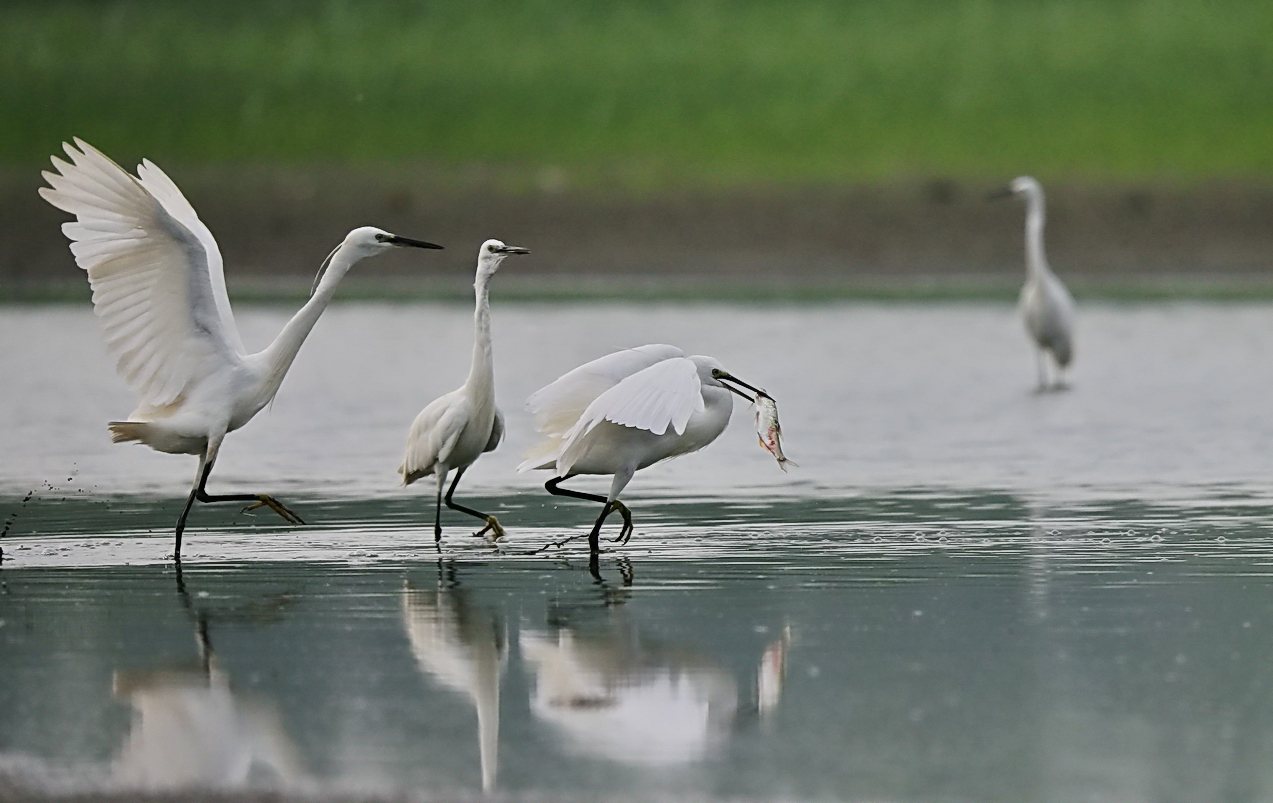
{"points": [[724, 377], [512, 249], [394, 239], [1002, 192]]}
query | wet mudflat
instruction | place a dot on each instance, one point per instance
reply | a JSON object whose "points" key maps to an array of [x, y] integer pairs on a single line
{"points": [[966, 591]]}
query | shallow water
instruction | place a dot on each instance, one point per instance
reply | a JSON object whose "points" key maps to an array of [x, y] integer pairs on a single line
{"points": [[966, 591]]}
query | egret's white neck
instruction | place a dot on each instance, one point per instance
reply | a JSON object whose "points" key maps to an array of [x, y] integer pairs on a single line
{"points": [[482, 372], [1035, 260], [278, 356]]}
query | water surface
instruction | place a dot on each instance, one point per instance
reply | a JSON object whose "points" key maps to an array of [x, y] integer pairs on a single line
{"points": [[967, 590]]}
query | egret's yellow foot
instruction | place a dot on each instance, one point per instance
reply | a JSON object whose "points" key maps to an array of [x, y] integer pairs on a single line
{"points": [[493, 527], [278, 507]]}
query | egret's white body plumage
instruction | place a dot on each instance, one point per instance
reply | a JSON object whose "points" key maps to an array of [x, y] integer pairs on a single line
{"points": [[159, 291], [625, 411], [1046, 306], [452, 431]]}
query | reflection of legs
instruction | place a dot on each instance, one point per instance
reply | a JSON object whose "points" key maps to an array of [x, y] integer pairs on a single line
{"points": [[492, 523], [258, 500], [609, 507]]}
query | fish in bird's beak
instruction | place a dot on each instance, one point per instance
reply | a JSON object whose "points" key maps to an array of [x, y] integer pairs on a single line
{"points": [[394, 239], [511, 249], [769, 430]]}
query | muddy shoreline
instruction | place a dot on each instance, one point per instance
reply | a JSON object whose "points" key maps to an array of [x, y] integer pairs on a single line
{"points": [[275, 226]]}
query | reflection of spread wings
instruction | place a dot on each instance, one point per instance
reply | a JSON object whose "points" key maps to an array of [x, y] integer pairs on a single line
{"points": [[191, 728], [155, 271], [612, 697]]}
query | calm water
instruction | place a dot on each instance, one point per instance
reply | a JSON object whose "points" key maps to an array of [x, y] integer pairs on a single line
{"points": [[967, 591]]}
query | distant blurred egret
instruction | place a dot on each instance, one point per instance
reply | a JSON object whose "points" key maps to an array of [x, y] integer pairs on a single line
{"points": [[626, 411], [159, 291], [455, 429], [1045, 304]]}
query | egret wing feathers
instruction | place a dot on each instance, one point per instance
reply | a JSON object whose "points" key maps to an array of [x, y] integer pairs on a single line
{"points": [[151, 277], [662, 395], [433, 436], [557, 406], [497, 432], [165, 190]]}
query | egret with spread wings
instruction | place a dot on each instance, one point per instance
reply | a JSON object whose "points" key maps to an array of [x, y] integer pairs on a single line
{"points": [[456, 429], [626, 411], [159, 292]]}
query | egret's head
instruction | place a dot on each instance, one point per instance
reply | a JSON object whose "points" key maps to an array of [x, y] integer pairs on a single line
{"points": [[1021, 185], [364, 242], [369, 240], [716, 375], [492, 253]]}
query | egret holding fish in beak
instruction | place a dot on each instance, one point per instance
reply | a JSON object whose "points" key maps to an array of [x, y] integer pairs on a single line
{"points": [[625, 411]]}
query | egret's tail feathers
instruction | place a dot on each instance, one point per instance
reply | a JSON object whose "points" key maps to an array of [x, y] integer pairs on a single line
{"points": [[536, 463], [124, 431], [411, 475], [542, 456]]}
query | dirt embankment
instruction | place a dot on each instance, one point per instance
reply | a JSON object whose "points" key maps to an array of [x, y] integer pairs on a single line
{"points": [[278, 224]]}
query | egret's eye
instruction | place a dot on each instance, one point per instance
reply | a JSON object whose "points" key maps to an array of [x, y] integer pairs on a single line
{"points": [[490, 248], [717, 373], [380, 238]]}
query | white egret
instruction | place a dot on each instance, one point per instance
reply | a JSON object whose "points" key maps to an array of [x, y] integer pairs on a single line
{"points": [[626, 411], [1045, 304], [456, 429], [159, 291]]}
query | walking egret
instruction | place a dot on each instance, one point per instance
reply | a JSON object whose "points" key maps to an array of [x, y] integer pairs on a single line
{"points": [[456, 429], [1045, 304], [626, 411], [159, 291]]}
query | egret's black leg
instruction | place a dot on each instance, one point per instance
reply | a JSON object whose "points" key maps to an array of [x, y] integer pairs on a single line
{"points": [[437, 517], [257, 500], [492, 523], [185, 512], [594, 536], [625, 533]]}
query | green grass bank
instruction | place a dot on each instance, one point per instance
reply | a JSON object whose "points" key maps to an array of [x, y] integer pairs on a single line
{"points": [[652, 94]]}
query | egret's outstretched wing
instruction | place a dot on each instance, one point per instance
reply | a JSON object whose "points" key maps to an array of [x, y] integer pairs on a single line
{"points": [[664, 395], [165, 191], [156, 282], [558, 406]]}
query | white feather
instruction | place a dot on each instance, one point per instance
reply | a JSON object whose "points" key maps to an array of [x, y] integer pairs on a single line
{"points": [[154, 269], [652, 399]]}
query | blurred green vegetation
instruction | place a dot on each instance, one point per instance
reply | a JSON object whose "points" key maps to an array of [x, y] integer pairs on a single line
{"points": [[652, 93]]}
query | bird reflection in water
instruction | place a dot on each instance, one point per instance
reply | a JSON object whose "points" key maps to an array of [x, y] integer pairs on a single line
{"points": [[463, 647], [611, 692], [191, 729]]}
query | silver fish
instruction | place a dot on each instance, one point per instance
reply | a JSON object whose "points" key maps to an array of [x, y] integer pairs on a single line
{"points": [[769, 430]]}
